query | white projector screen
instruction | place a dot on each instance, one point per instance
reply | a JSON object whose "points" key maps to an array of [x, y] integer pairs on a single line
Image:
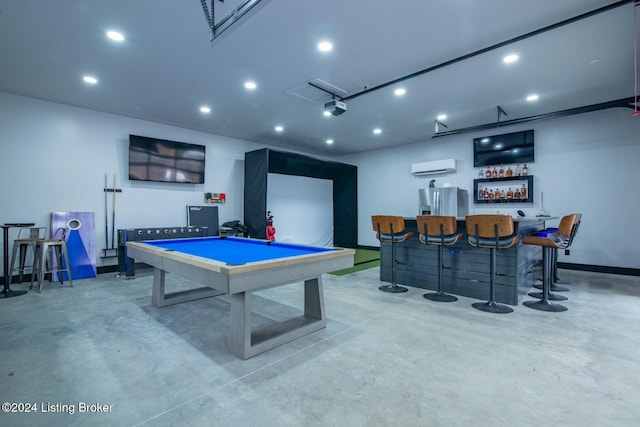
{"points": [[302, 209]]}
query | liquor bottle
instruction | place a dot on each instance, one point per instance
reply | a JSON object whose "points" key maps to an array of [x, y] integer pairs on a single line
{"points": [[480, 193], [496, 195], [487, 174], [494, 174], [501, 172], [485, 193], [480, 173], [509, 194], [502, 195], [509, 171], [525, 170], [491, 194], [523, 192], [518, 173], [516, 195]]}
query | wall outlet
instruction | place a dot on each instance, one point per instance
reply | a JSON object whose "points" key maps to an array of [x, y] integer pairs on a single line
{"points": [[567, 252]]}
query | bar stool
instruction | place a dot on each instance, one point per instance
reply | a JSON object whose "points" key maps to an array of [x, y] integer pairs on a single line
{"points": [[493, 232], [549, 243], [391, 229], [28, 238], [555, 281], [43, 263], [440, 231]]}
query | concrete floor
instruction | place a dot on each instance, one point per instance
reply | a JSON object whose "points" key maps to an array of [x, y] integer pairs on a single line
{"points": [[383, 360]]}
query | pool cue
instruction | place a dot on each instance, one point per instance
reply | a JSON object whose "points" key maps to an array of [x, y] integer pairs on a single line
{"points": [[113, 214], [106, 214]]}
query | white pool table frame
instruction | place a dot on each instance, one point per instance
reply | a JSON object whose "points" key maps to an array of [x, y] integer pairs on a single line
{"points": [[239, 281]]}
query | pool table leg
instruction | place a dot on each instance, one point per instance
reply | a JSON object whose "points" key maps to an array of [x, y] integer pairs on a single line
{"points": [[245, 343]]}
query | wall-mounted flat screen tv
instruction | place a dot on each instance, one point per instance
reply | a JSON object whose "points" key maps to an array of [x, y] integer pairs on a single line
{"points": [[152, 159], [505, 149]]}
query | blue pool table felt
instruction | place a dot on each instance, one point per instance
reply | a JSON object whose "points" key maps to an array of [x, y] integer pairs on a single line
{"points": [[235, 251]]}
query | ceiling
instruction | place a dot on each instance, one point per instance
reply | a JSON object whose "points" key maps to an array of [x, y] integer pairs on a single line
{"points": [[167, 67]]}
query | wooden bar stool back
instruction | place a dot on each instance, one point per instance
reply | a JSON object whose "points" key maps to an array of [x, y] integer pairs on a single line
{"points": [[493, 232], [56, 246], [391, 229], [440, 231], [28, 238], [550, 243]]}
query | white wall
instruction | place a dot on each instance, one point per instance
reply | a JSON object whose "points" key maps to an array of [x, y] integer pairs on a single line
{"points": [[587, 163], [54, 158]]}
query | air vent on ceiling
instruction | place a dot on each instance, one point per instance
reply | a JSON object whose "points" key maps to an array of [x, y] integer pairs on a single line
{"points": [[315, 91]]}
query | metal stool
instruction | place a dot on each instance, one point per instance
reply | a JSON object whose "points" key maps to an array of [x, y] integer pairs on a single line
{"points": [[440, 231], [493, 232], [28, 238], [47, 248], [391, 229], [555, 281], [549, 243]]}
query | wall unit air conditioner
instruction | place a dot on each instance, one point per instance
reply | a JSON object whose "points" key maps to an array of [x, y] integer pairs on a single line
{"points": [[433, 167]]}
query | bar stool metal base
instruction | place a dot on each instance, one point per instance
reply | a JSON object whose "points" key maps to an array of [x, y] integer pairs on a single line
{"points": [[440, 297], [545, 306], [10, 293], [492, 307], [394, 289], [551, 297]]}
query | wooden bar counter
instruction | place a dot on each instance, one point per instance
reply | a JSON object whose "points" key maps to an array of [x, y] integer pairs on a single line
{"points": [[466, 269]]}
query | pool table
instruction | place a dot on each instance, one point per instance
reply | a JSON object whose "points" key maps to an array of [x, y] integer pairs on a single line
{"points": [[239, 266]]}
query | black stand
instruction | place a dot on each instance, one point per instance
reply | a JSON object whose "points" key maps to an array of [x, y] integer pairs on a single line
{"points": [[556, 281], [392, 288], [492, 306], [440, 296], [544, 304], [7, 292]]}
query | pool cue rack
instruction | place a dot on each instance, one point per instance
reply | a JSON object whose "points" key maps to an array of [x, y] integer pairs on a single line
{"points": [[110, 251]]}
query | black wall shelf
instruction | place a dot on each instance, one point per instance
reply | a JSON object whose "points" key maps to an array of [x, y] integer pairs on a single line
{"points": [[503, 186]]}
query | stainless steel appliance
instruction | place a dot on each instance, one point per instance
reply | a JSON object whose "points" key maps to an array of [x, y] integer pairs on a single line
{"points": [[452, 201]]}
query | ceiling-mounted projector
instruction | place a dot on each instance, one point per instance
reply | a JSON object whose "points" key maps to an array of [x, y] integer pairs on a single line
{"points": [[335, 107]]}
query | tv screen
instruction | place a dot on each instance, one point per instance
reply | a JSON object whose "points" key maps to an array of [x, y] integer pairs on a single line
{"points": [[508, 148], [152, 159]]}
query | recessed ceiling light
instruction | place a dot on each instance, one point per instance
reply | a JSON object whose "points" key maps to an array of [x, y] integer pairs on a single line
{"points": [[510, 58], [377, 131], [329, 141], [90, 79], [205, 110], [250, 85], [532, 97], [115, 36], [279, 128], [325, 46], [400, 91], [326, 113], [442, 117]]}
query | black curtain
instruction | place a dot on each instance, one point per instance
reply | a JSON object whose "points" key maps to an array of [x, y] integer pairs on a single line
{"points": [[345, 190]]}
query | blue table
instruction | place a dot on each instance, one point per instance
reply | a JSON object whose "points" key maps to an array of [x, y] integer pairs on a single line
{"points": [[239, 266]]}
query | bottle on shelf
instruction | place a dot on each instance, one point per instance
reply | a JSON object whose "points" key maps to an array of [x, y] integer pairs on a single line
{"points": [[516, 195], [494, 174], [496, 195], [502, 194], [523, 192], [509, 171], [491, 194], [481, 173], [487, 173], [485, 193], [509, 194], [480, 192], [518, 171], [501, 172], [525, 170]]}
